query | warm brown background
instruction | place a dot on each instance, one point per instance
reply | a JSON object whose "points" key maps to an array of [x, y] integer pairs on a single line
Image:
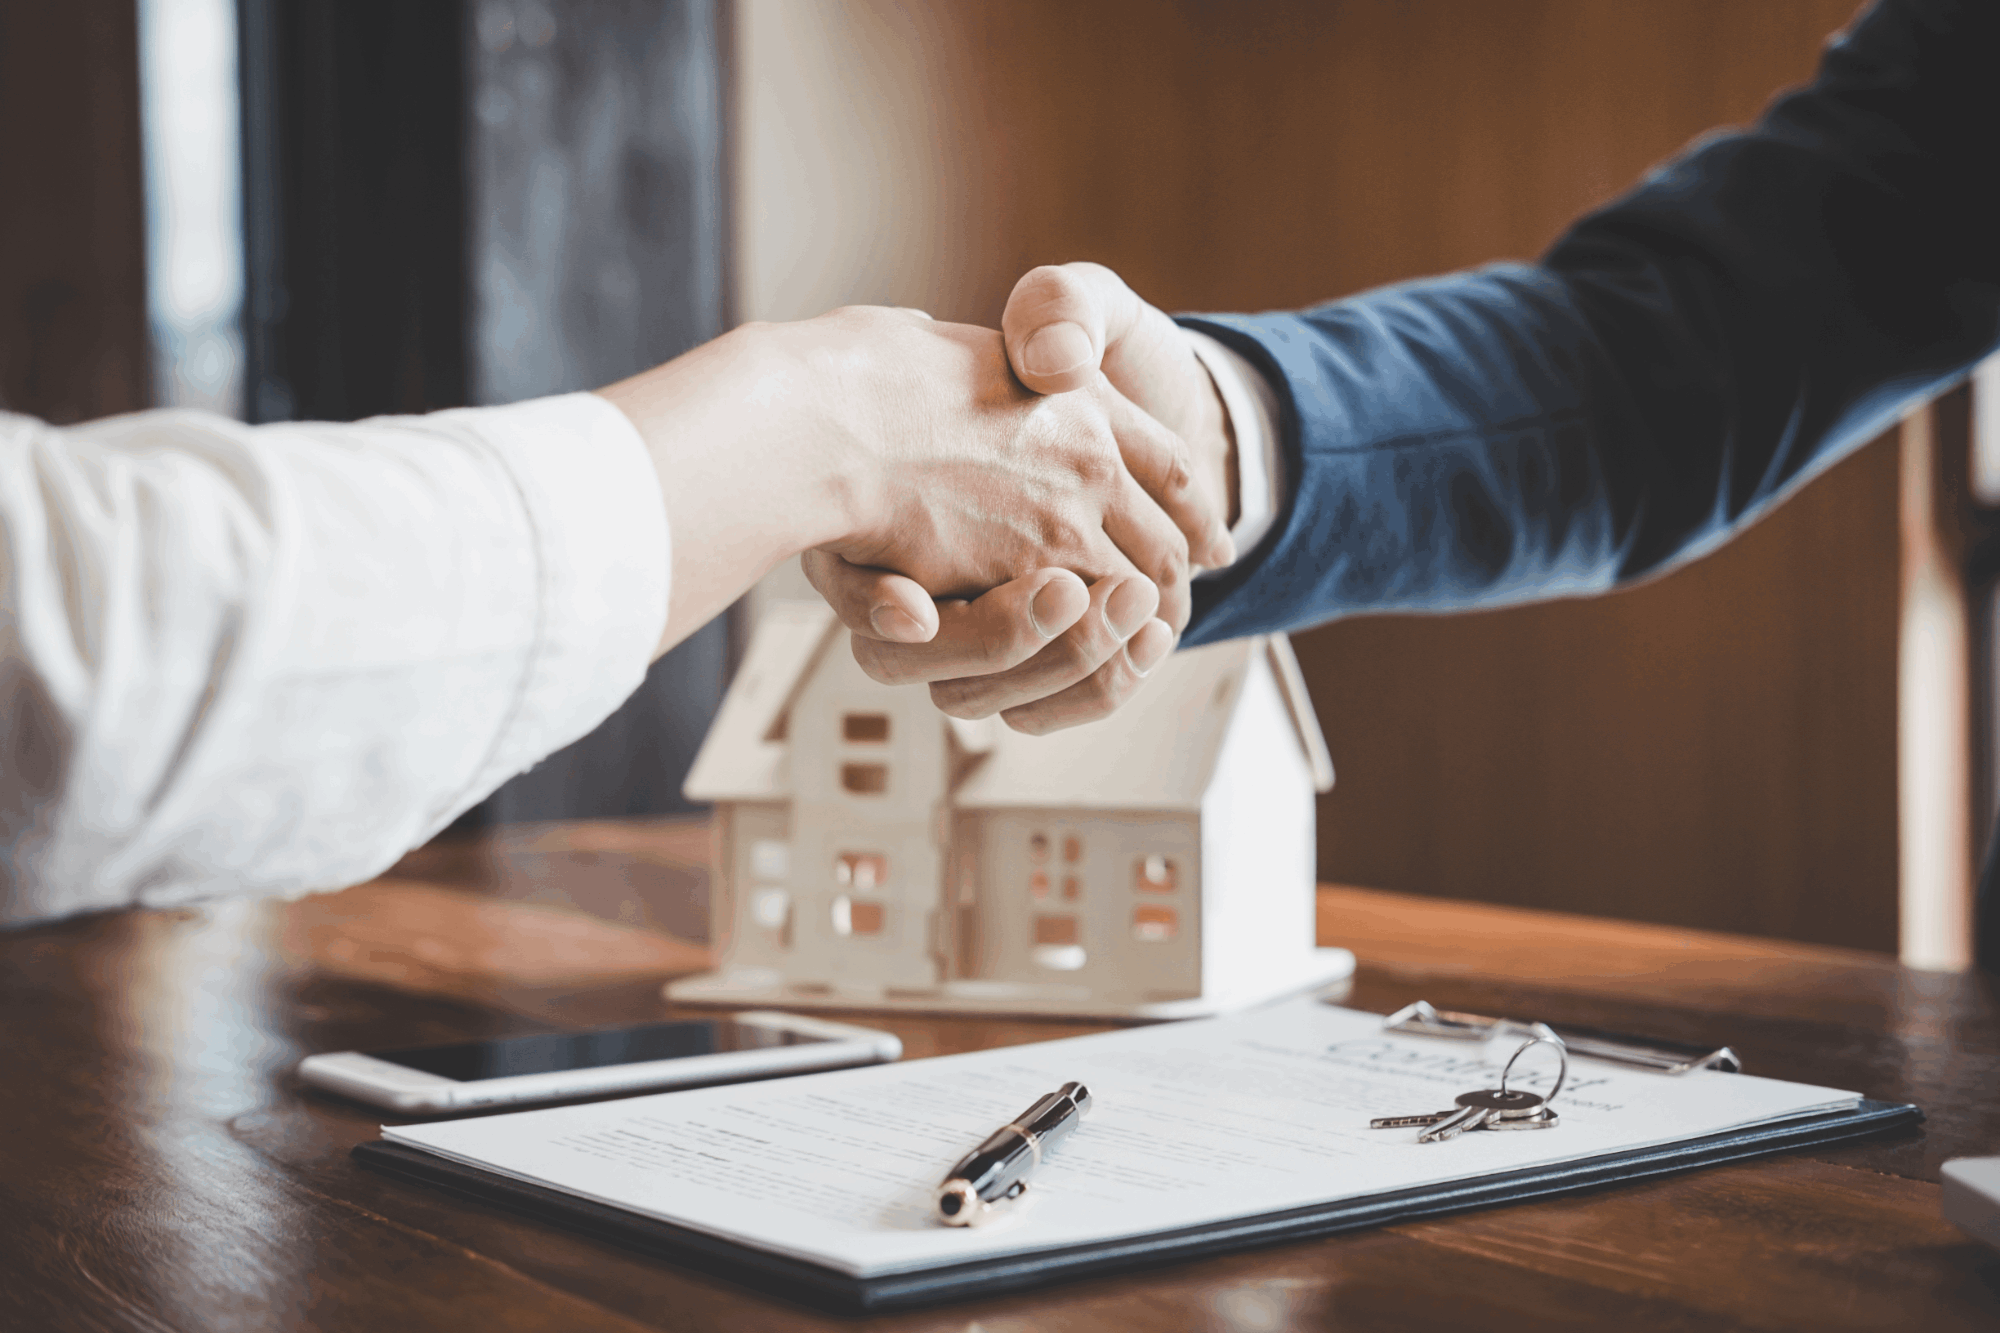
{"points": [[1715, 749], [72, 225]]}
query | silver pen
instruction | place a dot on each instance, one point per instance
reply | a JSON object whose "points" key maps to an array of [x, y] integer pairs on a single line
{"points": [[992, 1176]]}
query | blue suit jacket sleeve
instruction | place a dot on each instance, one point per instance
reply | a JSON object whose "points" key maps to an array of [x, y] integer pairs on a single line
{"points": [[1678, 362]]}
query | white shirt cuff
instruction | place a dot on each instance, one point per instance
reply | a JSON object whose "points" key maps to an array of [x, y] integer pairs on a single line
{"points": [[269, 659], [1252, 406], [599, 527]]}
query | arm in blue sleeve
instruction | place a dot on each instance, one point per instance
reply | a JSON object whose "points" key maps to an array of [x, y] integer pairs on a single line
{"points": [[1680, 360]]}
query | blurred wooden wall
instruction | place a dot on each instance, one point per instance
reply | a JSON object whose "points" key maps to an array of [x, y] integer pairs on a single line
{"points": [[1714, 749], [72, 211]]}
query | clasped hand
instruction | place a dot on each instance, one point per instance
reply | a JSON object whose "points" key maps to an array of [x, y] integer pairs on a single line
{"points": [[1066, 640], [1019, 539]]}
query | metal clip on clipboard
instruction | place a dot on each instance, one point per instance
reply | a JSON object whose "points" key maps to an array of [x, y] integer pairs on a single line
{"points": [[1642, 1052]]}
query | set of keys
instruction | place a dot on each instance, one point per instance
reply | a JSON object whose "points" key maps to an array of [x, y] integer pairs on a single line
{"points": [[1489, 1108]]}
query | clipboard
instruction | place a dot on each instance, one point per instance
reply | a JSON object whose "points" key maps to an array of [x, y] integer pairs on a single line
{"points": [[1623, 1048], [827, 1289]]}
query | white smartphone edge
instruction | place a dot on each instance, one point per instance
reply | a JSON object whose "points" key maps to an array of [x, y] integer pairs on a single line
{"points": [[395, 1087]]}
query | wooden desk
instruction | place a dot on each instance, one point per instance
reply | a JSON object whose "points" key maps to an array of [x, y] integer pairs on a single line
{"points": [[160, 1168]]}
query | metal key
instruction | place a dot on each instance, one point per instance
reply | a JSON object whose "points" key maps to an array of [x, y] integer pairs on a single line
{"points": [[1493, 1108], [1475, 1110]]}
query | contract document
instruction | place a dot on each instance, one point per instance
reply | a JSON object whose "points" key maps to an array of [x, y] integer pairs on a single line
{"points": [[1194, 1124]]}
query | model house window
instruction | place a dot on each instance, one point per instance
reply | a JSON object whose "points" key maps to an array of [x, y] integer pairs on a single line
{"points": [[1155, 874], [852, 916], [865, 728], [1038, 848], [861, 870], [1072, 888], [1058, 943], [771, 859], [771, 908], [1153, 923], [865, 779], [1072, 849], [1038, 884], [1056, 930]]}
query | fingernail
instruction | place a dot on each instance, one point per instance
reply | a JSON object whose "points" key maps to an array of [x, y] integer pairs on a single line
{"points": [[892, 622], [1130, 605], [1222, 551], [1057, 348], [1051, 608], [1147, 650]]}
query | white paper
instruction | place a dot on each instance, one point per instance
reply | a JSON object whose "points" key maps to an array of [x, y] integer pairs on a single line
{"points": [[1194, 1123]]}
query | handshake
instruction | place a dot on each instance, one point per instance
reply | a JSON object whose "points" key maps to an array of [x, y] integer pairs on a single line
{"points": [[1025, 551]]}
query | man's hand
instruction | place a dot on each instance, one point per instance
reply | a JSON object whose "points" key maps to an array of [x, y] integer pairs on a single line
{"points": [[1067, 329], [978, 481], [892, 442]]}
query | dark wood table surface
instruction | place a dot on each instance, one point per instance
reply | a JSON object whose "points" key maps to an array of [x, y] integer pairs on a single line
{"points": [[162, 1168]]}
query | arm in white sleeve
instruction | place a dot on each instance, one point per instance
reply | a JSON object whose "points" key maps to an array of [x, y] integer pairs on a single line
{"points": [[1252, 408], [268, 660]]}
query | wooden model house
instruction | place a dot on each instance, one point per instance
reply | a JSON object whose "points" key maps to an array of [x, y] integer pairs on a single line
{"points": [[872, 852]]}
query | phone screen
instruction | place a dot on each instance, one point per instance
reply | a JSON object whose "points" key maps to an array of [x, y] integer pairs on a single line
{"points": [[470, 1061]]}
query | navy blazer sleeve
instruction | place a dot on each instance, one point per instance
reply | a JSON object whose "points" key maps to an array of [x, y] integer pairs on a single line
{"points": [[1679, 361]]}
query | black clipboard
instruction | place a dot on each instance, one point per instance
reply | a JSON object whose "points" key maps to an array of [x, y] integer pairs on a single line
{"points": [[828, 1289]]}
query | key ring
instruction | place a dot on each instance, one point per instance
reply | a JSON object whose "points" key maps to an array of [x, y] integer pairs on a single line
{"points": [[1547, 1038]]}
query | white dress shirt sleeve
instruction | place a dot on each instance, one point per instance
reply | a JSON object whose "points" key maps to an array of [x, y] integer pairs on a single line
{"points": [[1252, 406], [269, 659]]}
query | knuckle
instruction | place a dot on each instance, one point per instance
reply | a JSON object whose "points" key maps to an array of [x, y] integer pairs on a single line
{"points": [[998, 646], [1096, 472], [1056, 282], [954, 698], [1028, 720], [1084, 649], [1095, 459], [873, 661], [1063, 538], [1108, 688]]}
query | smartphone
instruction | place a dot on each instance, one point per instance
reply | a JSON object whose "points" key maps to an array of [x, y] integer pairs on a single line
{"points": [[554, 1065]]}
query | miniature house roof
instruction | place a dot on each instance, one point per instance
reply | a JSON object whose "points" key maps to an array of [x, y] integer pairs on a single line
{"points": [[1157, 752]]}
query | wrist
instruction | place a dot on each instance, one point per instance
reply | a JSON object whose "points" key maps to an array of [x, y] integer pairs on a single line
{"points": [[736, 425], [829, 375]]}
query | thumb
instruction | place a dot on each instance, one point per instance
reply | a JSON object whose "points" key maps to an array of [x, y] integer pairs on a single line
{"points": [[874, 603], [1064, 321]]}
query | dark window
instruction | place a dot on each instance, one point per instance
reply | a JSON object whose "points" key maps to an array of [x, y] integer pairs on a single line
{"points": [[1057, 930], [865, 779], [1154, 923], [865, 728]]}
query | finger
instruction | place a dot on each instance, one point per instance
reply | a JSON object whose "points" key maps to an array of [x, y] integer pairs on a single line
{"points": [[993, 632], [1103, 691], [1148, 538], [1065, 322], [1119, 607], [872, 602], [1159, 461]]}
